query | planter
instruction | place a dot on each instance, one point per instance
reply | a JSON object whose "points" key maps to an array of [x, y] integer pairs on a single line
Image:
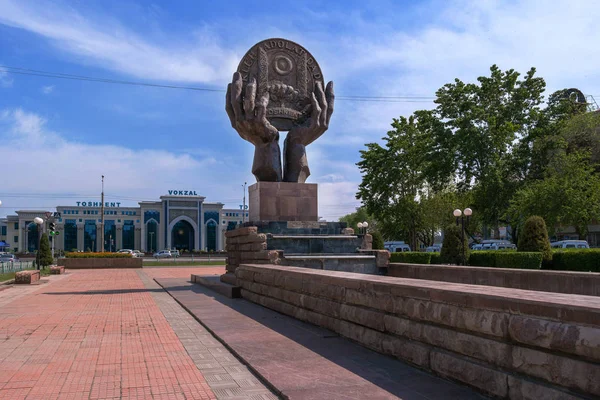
{"points": [[97, 263]]}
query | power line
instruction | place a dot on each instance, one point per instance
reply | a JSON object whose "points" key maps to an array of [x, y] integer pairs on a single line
{"points": [[58, 75]]}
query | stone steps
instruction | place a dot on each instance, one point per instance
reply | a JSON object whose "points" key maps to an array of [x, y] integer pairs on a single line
{"points": [[215, 284]]}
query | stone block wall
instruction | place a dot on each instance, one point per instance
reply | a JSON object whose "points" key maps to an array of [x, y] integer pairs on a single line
{"points": [[584, 283], [507, 343], [246, 245]]}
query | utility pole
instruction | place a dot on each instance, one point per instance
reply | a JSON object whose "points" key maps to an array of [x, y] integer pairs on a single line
{"points": [[102, 219], [244, 209]]}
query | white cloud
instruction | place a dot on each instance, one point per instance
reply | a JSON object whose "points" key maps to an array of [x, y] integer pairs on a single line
{"points": [[115, 47], [41, 161], [47, 89], [5, 80]]}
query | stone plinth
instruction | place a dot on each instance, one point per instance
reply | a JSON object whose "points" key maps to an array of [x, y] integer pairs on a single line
{"points": [[27, 276], [283, 201], [56, 270]]}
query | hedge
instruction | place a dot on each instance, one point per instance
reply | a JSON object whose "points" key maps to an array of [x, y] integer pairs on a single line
{"points": [[506, 259], [576, 260], [436, 258], [97, 255], [411, 257]]}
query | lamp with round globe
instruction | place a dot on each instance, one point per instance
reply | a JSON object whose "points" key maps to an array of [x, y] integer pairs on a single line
{"points": [[359, 226]]}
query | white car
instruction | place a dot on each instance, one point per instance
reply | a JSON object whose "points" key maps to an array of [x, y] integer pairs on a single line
{"points": [[137, 253], [8, 258], [570, 244], [163, 254]]}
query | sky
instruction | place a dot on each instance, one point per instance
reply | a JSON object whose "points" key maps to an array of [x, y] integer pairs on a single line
{"points": [[59, 136]]}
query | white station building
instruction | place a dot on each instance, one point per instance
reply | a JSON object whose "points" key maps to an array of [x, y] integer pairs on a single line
{"points": [[181, 220]]}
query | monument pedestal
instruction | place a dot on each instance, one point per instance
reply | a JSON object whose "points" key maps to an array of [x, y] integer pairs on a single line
{"points": [[283, 201]]}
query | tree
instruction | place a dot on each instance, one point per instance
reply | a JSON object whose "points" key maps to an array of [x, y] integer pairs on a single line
{"points": [[452, 248], [378, 243], [535, 237], [360, 215], [568, 195], [485, 125], [45, 254]]}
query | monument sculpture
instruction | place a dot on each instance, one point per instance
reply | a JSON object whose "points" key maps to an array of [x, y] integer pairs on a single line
{"points": [[279, 86]]}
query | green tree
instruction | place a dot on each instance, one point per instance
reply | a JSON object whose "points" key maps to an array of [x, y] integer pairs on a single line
{"points": [[568, 195], [360, 215], [535, 237], [485, 124], [44, 253], [393, 179], [452, 246], [377, 240]]}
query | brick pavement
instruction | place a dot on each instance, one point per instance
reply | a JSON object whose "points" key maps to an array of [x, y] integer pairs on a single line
{"points": [[228, 378], [92, 335]]}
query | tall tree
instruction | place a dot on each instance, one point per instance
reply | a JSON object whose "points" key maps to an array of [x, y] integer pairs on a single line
{"points": [[568, 195], [485, 123]]}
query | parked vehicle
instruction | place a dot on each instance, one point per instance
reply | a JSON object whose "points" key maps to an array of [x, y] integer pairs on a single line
{"points": [[137, 253], [494, 244], [175, 253], [163, 254], [436, 248], [8, 258], [570, 244], [394, 247]]}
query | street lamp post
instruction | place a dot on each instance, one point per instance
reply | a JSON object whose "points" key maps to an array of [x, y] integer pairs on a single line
{"points": [[462, 215], [39, 223], [362, 227]]}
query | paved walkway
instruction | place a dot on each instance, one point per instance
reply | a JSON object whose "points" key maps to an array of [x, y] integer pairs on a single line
{"points": [[304, 361], [98, 334]]}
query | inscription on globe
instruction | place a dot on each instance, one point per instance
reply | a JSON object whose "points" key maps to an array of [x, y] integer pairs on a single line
{"points": [[288, 72]]}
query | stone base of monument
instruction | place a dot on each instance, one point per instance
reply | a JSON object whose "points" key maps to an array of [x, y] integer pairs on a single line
{"points": [[283, 201], [308, 244]]}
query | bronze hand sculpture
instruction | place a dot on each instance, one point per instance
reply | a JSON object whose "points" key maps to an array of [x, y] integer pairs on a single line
{"points": [[249, 118]]}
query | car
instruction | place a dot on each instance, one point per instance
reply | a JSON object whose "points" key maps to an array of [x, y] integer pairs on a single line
{"points": [[436, 248], [137, 253], [393, 247], [8, 258], [175, 253], [163, 254], [570, 244]]}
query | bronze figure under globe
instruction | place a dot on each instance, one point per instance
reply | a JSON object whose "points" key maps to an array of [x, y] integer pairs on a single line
{"points": [[279, 86]]}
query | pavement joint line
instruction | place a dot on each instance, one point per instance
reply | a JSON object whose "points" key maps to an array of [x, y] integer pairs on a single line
{"points": [[220, 381]]}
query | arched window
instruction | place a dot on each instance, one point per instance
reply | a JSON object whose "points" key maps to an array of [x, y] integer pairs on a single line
{"points": [[151, 236], [211, 235], [32, 237], [182, 236]]}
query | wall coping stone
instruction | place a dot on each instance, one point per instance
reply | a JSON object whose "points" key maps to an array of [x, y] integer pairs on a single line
{"points": [[556, 306]]}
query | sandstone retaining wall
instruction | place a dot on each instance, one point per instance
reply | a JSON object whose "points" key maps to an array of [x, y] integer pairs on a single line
{"points": [[507, 343], [585, 283], [246, 245]]}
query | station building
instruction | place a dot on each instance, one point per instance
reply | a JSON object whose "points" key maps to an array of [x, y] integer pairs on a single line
{"points": [[181, 220]]}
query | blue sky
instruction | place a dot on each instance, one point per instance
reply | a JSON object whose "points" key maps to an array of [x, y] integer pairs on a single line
{"points": [[59, 136]]}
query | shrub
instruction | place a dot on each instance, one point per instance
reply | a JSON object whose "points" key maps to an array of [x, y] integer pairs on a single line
{"points": [[506, 259], [521, 260], [411, 257], [97, 255], [436, 258], [45, 254], [377, 240], [483, 258], [452, 248], [535, 237], [576, 260]]}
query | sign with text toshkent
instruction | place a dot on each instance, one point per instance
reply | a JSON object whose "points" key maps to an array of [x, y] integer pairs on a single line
{"points": [[97, 204], [182, 193]]}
